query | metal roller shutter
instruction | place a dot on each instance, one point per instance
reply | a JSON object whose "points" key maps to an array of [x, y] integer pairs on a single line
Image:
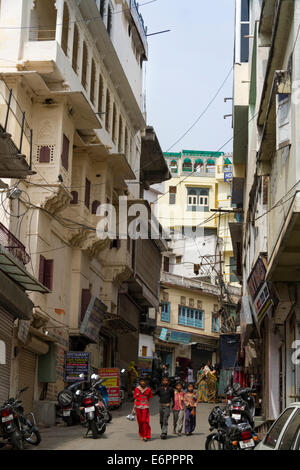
{"points": [[6, 335], [27, 366]]}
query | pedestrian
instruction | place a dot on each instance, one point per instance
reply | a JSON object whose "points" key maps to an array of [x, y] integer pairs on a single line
{"points": [[202, 385], [166, 395], [165, 372], [178, 409], [142, 395], [190, 373], [190, 401]]}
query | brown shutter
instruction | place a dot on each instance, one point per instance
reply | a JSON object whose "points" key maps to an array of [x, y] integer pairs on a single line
{"points": [[41, 269], [85, 300], [48, 273], [44, 154], [95, 206], [65, 153], [75, 197], [87, 193], [166, 264]]}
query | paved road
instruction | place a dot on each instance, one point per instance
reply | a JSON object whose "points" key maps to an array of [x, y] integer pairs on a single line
{"points": [[122, 434]]}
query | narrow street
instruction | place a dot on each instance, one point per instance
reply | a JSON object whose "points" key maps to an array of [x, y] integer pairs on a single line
{"points": [[122, 434]]}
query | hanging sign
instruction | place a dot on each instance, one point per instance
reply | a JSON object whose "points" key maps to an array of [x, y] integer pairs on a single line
{"points": [[76, 363], [112, 384]]}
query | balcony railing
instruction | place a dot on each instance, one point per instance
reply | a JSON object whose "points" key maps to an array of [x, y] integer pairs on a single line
{"points": [[13, 245], [13, 122]]}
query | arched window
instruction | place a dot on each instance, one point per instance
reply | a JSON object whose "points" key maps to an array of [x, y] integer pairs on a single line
{"points": [[95, 206], [75, 49], [100, 94], [84, 65], [187, 165], [173, 166], [120, 146], [43, 20], [108, 111], [210, 166], [126, 142], [65, 29], [199, 166], [93, 80], [114, 128], [109, 20]]}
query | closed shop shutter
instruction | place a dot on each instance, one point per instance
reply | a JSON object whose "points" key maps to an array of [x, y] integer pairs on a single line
{"points": [[27, 366], [6, 338]]}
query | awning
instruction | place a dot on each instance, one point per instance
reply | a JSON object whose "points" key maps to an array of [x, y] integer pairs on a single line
{"points": [[120, 325], [210, 162], [187, 160], [199, 161], [17, 272], [227, 161]]}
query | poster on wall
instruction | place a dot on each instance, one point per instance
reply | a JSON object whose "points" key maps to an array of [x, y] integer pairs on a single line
{"points": [[76, 363], [112, 383]]}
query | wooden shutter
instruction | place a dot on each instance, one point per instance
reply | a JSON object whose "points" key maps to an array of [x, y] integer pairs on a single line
{"points": [[85, 300], [48, 273], [95, 206], [87, 193], [41, 269], [65, 153], [44, 154], [75, 197]]}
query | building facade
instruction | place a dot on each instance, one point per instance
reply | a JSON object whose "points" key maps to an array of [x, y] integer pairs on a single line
{"points": [[266, 188], [80, 86]]}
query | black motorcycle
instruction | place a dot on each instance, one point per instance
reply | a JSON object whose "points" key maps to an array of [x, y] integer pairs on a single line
{"points": [[92, 411], [69, 405], [240, 404], [227, 435], [15, 427]]}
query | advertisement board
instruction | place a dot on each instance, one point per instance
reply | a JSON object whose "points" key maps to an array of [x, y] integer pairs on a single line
{"points": [[112, 383], [76, 363]]}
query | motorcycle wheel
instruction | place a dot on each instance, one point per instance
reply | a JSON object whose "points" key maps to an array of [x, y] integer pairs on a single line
{"points": [[16, 440], [108, 417], [68, 420], [94, 429], [213, 444], [34, 439]]}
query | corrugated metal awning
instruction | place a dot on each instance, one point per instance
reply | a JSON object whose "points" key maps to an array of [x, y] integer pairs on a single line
{"points": [[17, 272]]}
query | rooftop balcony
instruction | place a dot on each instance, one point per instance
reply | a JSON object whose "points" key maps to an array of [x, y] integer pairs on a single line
{"points": [[13, 245], [207, 167]]}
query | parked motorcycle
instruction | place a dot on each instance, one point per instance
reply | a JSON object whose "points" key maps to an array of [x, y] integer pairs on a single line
{"points": [[93, 410], [103, 395], [15, 427], [69, 405], [240, 404], [227, 435]]}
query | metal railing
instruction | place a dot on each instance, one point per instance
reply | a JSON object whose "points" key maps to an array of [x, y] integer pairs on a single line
{"points": [[13, 245], [13, 122]]}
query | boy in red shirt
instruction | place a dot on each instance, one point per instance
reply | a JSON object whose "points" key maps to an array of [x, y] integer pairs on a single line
{"points": [[142, 395]]}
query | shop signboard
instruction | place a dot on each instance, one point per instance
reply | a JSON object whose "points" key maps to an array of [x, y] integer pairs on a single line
{"points": [[93, 319], [112, 384], [23, 330], [76, 363], [164, 334], [256, 278], [227, 176], [260, 296], [262, 302], [180, 337]]}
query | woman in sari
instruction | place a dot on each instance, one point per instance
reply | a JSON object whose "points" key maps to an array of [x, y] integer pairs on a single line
{"points": [[211, 386], [202, 385]]}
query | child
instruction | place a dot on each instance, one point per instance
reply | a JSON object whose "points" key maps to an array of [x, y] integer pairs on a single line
{"points": [[142, 395], [190, 401], [178, 409]]}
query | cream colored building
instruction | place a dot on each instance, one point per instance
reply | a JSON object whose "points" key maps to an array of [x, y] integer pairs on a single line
{"points": [[80, 85]]}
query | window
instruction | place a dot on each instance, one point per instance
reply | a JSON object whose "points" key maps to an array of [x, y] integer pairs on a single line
{"points": [[243, 55], [187, 165], [43, 20], [65, 29], [109, 20], [126, 142], [275, 431], [199, 304], [75, 197], [84, 65], [191, 302], [178, 259], [114, 128], [291, 433], [183, 300], [283, 119], [198, 199], [116, 243], [65, 153], [173, 166], [100, 94], [75, 49], [166, 264], [93, 80], [102, 8], [190, 317], [87, 195], [172, 194], [46, 272], [108, 110], [95, 206], [165, 311], [215, 324], [85, 300], [144, 351], [233, 268], [44, 154], [120, 146]]}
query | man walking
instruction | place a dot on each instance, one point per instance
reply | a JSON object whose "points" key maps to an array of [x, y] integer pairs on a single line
{"points": [[166, 395]]}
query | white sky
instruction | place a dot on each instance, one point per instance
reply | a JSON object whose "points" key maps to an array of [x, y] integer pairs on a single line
{"points": [[185, 69]]}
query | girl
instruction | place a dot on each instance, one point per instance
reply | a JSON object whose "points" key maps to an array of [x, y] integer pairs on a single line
{"points": [[142, 395], [190, 401]]}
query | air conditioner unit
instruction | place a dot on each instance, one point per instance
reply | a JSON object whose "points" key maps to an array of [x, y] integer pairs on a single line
{"points": [[285, 302]]}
